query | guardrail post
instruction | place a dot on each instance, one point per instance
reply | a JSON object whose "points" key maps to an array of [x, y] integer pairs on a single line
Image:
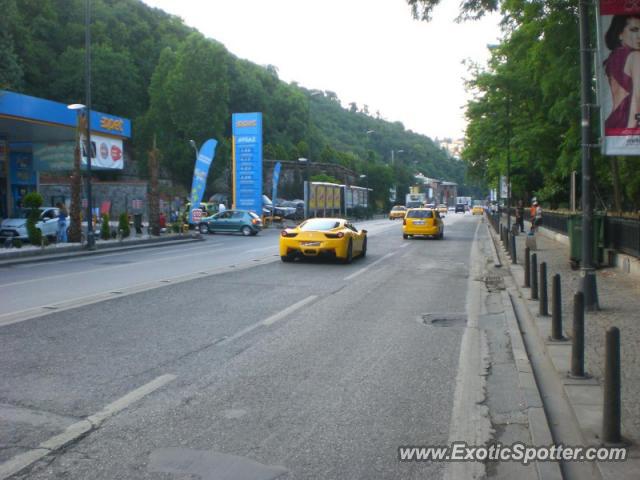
{"points": [[514, 256], [577, 347], [556, 309], [527, 267], [611, 410], [534, 276], [544, 304]]}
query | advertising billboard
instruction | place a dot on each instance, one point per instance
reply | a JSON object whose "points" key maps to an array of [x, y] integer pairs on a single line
{"points": [[106, 152], [247, 161], [618, 74]]}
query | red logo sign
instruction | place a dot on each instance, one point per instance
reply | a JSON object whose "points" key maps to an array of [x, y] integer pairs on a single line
{"points": [[116, 153]]}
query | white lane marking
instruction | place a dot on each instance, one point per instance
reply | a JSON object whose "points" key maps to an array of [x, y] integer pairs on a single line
{"points": [[73, 432], [270, 320], [270, 247], [130, 398], [404, 245], [204, 247], [289, 310], [362, 270]]}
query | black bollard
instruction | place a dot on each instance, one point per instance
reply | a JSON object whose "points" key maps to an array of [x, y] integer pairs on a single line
{"points": [[577, 347], [611, 411], [534, 276], [527, 267], [556, 309], [544, 304], [514, 257]]}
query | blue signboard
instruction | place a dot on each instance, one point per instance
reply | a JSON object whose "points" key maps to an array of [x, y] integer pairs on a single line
{"points": [[200, 173], [22, 171], [247, 159]]}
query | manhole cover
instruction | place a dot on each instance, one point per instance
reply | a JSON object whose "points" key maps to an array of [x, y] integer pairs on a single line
{"points": [[444, 319]]}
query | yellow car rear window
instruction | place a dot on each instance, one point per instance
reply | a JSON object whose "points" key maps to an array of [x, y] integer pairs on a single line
{"points": [[420, 214]]}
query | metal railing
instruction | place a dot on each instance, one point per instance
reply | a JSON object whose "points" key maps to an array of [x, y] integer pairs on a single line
{"points": [[623, 235], [558, 222]]}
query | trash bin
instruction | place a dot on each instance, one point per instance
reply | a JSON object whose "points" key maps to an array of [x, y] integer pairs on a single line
{"points": [[137, 223], [575, 239]]}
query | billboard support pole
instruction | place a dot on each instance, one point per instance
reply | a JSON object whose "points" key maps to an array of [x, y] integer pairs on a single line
{"points": [[588, 287]]}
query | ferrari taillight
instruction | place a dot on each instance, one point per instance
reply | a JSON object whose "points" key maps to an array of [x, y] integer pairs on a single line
{"points": [[404, 221], [284, 233], [334, 235]]}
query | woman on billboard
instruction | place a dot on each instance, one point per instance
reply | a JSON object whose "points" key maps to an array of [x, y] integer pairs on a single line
{"points": [[622, 68]]}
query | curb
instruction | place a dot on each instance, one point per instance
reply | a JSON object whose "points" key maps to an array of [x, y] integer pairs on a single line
{"points": [[538, 421], [81, 251], [584, 396]]}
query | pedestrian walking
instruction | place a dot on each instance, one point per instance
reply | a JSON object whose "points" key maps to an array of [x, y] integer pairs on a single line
{"points": [[520, 215], [536, 216], [61, 236]]}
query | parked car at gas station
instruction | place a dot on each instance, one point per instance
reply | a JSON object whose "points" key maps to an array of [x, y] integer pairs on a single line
{"points": [[16, 227]]}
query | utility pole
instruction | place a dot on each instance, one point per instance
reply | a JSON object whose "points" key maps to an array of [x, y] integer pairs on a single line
{"points": [[588, 287]]}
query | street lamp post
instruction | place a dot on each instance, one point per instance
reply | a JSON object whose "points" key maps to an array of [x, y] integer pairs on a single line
{"points": [[393, 158], [367, 186], [307, 185], [589, 286]]}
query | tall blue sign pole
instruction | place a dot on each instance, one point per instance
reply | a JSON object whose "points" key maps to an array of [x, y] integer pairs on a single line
{"points": [[200, 173], [247, 161]]}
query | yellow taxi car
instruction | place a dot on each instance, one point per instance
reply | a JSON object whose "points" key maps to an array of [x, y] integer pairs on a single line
{"points": [[477, 210], [397, 212], [330, 237], [423, 222]]}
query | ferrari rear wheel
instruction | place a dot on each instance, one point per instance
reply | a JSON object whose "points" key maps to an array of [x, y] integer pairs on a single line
{"points": [[349, 257], [286, 258], [364, 248], [405, 236]]}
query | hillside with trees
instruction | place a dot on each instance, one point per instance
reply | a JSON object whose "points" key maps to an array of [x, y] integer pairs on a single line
{"points": [[177, 85]]}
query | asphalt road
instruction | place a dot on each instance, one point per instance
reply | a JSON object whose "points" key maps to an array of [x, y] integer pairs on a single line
{"points": [[261, 370]]}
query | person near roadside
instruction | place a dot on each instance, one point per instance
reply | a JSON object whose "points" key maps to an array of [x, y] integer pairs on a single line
{"points": [[221, 208], [622, 68], [62, 223], [536, 216], [520, 215]]}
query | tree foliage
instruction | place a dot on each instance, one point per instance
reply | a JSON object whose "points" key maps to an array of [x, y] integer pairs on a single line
{"points": [[526, 104], [180, 86]]}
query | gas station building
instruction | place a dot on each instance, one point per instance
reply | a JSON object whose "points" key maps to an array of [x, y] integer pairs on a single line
{"points": [[37, 142]]}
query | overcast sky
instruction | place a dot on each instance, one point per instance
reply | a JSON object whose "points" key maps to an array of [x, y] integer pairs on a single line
{"points": [[367, 51]]}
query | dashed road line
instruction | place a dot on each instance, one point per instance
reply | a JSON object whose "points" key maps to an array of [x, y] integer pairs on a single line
{"points": [[362, 270], [81, 428]]}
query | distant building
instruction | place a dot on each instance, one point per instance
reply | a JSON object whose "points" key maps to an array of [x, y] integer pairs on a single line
{"points": [[452, 147]]}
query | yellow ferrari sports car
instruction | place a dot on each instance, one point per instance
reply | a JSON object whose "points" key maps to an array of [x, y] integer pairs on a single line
{"points": [[330, 237]]}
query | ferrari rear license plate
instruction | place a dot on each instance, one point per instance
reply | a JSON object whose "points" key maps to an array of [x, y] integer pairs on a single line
{"points": [[419, 222], [311, 244]]}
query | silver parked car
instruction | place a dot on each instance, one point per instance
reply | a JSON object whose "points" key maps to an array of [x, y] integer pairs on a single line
{"points": [[16, 227]]}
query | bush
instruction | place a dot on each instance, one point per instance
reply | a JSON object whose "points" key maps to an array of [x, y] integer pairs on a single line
{"points": [[33, 201], [105, 231], [16, 242], [123, 225]]}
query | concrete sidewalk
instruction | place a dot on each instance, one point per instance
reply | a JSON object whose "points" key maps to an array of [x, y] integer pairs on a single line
{"points": [[619, 300]]}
